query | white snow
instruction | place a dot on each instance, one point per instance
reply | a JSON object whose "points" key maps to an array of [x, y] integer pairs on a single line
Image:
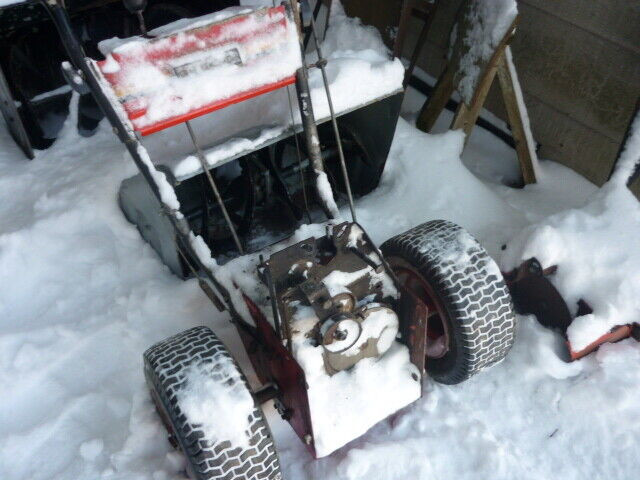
{"points": [[630, 157], [382, 324], [323, 187], [596, 250], [354, 52], [345, 405], [167, 193], [221, 152], [489, 22], [215, 398], [337, 281], [163, 89], [376, 386], [83, 296], [185, 24], [524, 112]]}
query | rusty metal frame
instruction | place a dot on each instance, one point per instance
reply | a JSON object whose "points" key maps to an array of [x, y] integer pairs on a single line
{"points": [[269, 351]]}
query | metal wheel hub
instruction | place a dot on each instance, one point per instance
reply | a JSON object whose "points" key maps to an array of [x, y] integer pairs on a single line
{"points": [[437, 338]]}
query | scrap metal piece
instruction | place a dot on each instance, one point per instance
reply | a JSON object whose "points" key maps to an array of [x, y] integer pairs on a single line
{"points": [[533, 293], [615, 335]]}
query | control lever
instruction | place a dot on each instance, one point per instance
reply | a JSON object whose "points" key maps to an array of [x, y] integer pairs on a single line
{"points": [[137, 7]]}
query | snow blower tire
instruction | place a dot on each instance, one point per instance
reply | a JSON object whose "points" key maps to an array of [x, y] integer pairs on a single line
{"points": [[166, 365], [464, 290]]}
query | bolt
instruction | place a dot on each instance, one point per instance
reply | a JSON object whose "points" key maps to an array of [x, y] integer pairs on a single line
{"points": [[535, 268], [340, 334]]}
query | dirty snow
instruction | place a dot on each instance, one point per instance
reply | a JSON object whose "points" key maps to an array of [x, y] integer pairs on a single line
{"points": [[83, 296]]}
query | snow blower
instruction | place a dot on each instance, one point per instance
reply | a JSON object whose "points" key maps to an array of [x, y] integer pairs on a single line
{"points": [[338, 331]]}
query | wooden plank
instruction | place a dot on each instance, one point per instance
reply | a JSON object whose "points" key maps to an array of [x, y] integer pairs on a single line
{"points": [[635, 188], [466, 116], [520, 129], [575, 145], [579, 88], [434, 105]]}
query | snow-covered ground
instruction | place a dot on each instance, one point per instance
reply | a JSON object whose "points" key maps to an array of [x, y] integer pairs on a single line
{"points": [[82, 296]]}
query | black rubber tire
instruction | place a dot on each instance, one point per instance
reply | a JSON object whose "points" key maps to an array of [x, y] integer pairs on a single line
{"points": [[165, 366], [468, 284]]}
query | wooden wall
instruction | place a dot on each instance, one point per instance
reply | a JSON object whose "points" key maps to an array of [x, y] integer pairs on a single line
{"points": [[579, 66]]}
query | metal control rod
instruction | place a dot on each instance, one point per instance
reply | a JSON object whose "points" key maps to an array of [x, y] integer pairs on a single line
{"points": [[321, 64], [214, 187], [309, 126], [181, 227]]}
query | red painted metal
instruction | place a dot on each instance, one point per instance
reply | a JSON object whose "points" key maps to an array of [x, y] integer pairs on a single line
{"points": [[615, 335], [158, 52], [274, 363], [212, 107], [413, 318], [437, 335]]}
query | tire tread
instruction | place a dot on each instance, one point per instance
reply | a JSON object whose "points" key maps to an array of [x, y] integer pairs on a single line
{"points": [[165, 365], [472, 291]]}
